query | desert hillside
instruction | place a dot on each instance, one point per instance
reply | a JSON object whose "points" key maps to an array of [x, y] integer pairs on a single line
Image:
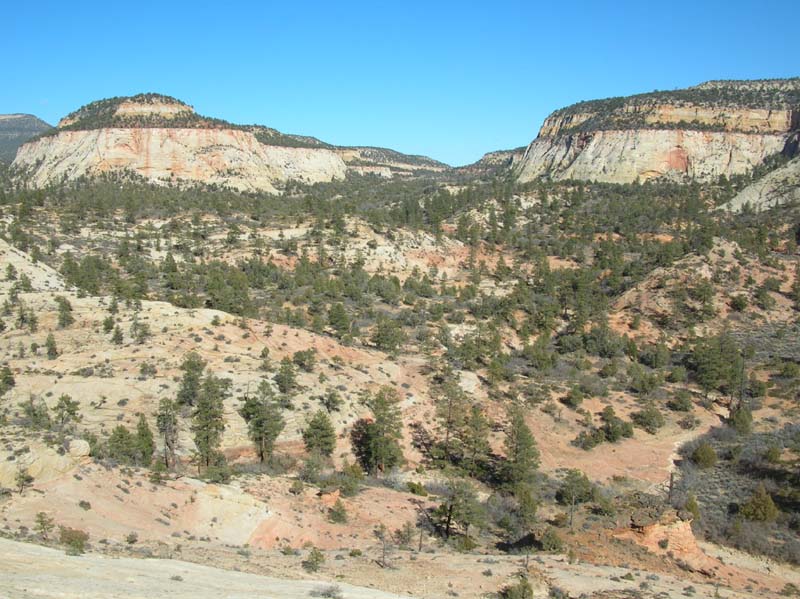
{"points": [[236, 359]]}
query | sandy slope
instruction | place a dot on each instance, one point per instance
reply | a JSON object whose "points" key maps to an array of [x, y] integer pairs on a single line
{"points": [[34, 571]]}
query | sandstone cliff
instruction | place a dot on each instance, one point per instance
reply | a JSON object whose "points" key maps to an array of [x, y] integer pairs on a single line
{"points": [[164, 140], [718, 128], [230, 157]]}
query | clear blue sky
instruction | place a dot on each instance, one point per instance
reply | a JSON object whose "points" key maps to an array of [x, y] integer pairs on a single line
{"points": [[451, 80]]}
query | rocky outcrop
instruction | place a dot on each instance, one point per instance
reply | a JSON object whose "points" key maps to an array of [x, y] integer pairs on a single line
{"points": [[780, 187], [229, 157], [641, 155], [387, 163], [718, 128], [493, 162]]}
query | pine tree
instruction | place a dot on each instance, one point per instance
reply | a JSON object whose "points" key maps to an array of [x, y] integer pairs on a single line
{"points": [[522, 455], [145, 444], [167, 424], [264, 420], [451, 411], [475, 443], [192, 367], [208, 419], [338, 319], [375, 440], [117, 338], [460, 506], [320, 436], [286, 377], [388, 335]]}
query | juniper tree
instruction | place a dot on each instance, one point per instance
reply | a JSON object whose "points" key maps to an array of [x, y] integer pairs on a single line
{"points": [[122, 445], [760, 507], [108, 324], [23, 479], [66, 411], [36, 413], [44, 525], [65, 317], [7, 381], [52, 349]]}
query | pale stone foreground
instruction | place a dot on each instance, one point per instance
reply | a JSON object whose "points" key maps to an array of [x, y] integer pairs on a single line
{"points": [[33, 571]]}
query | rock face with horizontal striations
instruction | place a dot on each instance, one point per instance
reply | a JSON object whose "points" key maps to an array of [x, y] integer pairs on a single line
{"points": [[230, 157], [718, 128], [164, 141]]}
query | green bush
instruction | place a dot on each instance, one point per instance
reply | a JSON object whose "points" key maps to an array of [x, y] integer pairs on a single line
{"points": [[704, 455], [74, 539], [760, 507], [649, 418], [338, 513], [314, 560], [682, 402], [416, 488], [550, 541]]}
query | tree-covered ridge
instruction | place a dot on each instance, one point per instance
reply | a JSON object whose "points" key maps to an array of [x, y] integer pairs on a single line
{"points": [[102, 114], [384, 155], [15, 130], [627, 112], [273, 137]]}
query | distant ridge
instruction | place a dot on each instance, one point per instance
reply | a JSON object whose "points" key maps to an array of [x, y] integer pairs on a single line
{"points": [[15, 130]]}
